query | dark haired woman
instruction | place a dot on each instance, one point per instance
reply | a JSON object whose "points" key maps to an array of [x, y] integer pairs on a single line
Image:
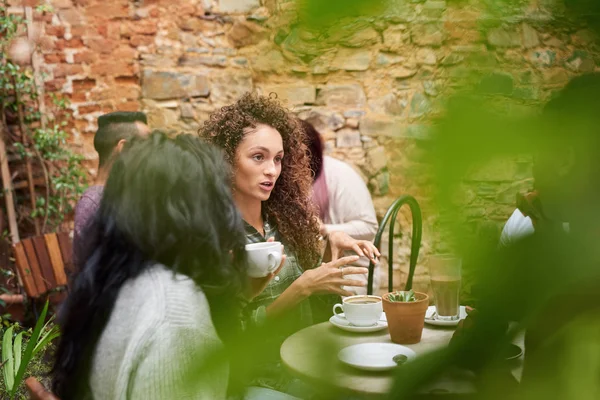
{"points": [[157, 292]]}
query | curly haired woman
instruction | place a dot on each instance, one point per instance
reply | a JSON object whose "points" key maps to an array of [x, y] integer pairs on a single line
{"points": [[272, 189]]}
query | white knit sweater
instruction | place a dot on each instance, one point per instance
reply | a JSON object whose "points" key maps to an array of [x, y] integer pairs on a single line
{"points": [[160, 326]]}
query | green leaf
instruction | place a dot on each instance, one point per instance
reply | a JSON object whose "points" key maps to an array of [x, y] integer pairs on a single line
{"points": [[28, 355], [7, 360], [49, 335], [17, 352]]}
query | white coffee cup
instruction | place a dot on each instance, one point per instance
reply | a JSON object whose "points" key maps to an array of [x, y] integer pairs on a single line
{"points": [[361, 310], [263, 258]]}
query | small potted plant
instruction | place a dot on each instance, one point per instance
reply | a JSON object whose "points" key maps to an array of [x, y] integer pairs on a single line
{"points": [[405, 312]]}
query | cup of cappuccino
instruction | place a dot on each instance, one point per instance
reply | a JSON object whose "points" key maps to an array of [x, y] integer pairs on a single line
{"points": [[361, 310]]}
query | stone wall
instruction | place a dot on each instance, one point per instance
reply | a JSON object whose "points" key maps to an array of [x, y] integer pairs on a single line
{"points": [[372, 85]]}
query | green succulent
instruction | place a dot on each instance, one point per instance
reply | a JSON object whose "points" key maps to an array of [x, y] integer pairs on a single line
{"points": [[402, 296]]}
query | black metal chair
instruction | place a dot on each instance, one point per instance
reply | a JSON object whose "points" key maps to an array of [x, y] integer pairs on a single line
{"points": [[417, 226]]}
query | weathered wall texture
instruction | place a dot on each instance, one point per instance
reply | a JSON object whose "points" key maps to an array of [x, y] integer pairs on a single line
{"points": [[371, 85]]}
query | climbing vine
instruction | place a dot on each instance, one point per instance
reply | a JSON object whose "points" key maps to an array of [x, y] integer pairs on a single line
{"points": [[37, 138]]}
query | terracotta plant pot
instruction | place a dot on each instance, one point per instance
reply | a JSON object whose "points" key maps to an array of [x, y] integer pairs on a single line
{"points": [[406, 320]]}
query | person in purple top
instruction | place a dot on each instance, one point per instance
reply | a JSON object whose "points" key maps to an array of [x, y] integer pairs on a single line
{"points": [[114, 129]]}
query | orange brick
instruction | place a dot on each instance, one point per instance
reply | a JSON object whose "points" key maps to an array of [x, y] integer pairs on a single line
{"points": [[89, 109], [127, 92], [101, 45], [113, 68], [54, 58], [141, 40], [108, 11], [62, 70], [83, 84], [58, 31], [145, 27], [124, 53], [79, 97], [70, 44], [129, 106], [85, 57], [54, 85]]}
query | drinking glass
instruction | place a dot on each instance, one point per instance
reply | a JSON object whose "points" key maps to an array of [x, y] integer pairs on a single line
{"points": [[444, 271]]}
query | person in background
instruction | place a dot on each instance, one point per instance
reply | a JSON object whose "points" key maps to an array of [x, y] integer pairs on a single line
{"points": [[163, 278], [114, 130], [343, 201]]}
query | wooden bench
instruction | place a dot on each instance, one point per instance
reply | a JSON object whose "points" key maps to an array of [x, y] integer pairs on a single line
{"points": [[44, 262]]}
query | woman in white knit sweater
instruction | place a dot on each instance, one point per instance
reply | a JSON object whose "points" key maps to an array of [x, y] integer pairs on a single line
{"points": [[157, 295]]}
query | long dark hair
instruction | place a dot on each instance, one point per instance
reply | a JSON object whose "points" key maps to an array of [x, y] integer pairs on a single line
{"points": [[320, 194], [166, 201]]}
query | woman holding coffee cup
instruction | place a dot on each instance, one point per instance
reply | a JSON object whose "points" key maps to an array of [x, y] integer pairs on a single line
{"points": [[272, 189]]}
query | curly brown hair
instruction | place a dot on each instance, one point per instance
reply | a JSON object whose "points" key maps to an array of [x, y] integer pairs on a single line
{"points": [[290, 205]]}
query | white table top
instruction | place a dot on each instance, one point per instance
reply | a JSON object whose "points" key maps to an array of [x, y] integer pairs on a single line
{"points": [[311, 355]]}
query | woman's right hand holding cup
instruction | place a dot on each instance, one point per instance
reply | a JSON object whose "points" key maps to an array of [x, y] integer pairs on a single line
{"points": [[329, 278]]}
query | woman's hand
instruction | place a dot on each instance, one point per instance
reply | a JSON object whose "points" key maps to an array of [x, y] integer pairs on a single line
{"points": [[257, 285], [340, 241], [329, 278]]}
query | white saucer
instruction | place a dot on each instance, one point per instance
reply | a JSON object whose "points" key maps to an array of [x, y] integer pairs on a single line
{"points": [[430, 317], [374, 356], [341, 322]]}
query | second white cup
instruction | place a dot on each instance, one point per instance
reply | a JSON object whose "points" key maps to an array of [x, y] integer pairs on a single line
{"points": [[361, 310]]}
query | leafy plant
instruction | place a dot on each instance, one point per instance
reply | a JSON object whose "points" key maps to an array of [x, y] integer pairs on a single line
{"points": [[14, 360], [43, 139], [402, 296]]}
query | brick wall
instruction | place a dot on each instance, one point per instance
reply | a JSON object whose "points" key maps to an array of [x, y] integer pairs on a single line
{"points": [[371, 85]]}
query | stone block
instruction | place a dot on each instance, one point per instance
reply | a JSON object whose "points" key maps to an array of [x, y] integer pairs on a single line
{"points": [[542, 58], [361, 38], [380, 184], [376, 160], [502, 37], [395, 37], [227, 87], [245, 33], [352, 60], [419, 105], [342, 96], [159, 85], [394, 104], [426, 57], [238, 6], [380, 125], [187, 111], [402, 73], [348, 138], [324, 120], [271, 61], [580, 61], [386, 59], [428, 34], [430, 88], [292, 94], [188, 60], [529, 36]]}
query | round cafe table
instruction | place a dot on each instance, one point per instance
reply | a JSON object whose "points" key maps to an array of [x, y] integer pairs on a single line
{"points": [[311, 355]]}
